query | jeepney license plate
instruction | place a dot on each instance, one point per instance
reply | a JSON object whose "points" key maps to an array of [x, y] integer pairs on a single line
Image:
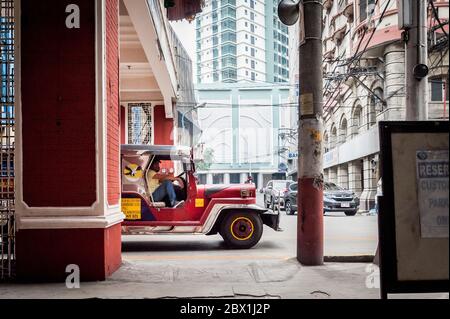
{"points": [[131, 207]]}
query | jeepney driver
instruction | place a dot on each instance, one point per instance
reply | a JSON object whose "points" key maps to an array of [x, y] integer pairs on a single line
{"points": [[161, 185]]}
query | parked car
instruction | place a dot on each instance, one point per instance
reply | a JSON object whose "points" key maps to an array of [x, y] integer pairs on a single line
{"points": [[335, 199], [290, 199], [338, 199], [274, 193]]}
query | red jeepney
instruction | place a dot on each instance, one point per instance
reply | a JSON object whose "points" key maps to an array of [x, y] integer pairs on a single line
{"points": [[229, 210]]}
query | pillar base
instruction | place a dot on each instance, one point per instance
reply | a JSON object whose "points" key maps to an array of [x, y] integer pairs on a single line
{"points": [[44, 254]]}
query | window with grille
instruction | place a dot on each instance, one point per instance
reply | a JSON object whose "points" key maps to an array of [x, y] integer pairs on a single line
{"points": [[140, 123]]}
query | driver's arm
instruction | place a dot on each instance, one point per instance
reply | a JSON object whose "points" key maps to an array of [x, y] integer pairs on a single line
{"points": [[164, 177]]}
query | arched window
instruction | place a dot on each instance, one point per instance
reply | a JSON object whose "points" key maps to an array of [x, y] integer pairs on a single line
{"points": [[326, 143], [357, 120], [333, 138], [343, 131], [376, 106]]}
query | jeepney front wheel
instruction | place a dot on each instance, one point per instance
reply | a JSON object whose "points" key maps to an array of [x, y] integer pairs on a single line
{"points": [[241, 230]]}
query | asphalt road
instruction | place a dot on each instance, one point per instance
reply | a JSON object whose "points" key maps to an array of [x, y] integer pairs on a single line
{"points": [[344, 236]]}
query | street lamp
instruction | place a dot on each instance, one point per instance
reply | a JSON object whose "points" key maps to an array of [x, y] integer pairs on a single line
{"points": [[191, 110], [188, 111]]}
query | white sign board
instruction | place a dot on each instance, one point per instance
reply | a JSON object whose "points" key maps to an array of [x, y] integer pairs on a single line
{"points": [[433, 192]]}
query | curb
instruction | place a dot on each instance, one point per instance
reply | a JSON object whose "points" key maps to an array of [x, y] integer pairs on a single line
{"points": [[349, 259]]}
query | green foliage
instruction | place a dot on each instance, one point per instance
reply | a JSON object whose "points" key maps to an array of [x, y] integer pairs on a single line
{"points": [[208, 160]]}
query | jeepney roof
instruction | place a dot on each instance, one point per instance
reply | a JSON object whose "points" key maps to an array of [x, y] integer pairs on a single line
{"points": [[162, 151]]}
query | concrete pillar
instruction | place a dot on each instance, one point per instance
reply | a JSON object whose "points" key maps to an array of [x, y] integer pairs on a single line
{"points": [[226, 178], [244, 177], [260, 181], [394, 57], [343, 175], [68, 133], [209, 179], [333, 175], [354, 169], [370, 186], [326, 175]]}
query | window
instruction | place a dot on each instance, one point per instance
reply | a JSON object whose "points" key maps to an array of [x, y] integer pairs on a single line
{"points": [[253, 64], [229, 61], [375, 106], [252, 28], [252, 52], [228, 12], [140, 123], [217, 178], [229, 49], [252, 40], [202, 179], [229, 36], [228, 23], [253, 76], [229, 75], [235, 178], [252, 16], [252, 4], [438, 90], [364, 7]]}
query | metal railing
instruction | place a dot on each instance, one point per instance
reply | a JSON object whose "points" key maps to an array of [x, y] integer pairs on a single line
{"points": [[7, 128]]}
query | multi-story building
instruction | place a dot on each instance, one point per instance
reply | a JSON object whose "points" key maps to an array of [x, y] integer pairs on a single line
{"points": [[242, 126], [242, 50], [241, 40], [364, 82]]}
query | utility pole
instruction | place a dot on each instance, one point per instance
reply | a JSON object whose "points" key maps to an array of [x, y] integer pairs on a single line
{"points": [[416, 61], [310, 160]]}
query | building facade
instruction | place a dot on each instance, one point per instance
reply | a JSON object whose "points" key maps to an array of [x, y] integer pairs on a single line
{"points": [[241, 40], [364, 83], [242, 128]]}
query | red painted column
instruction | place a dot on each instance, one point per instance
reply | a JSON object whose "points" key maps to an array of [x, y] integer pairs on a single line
{"points": [[67, 137], [310, 224]]}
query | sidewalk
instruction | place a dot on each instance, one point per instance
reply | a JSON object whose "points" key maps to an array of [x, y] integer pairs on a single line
{"points": [[281, 278]]}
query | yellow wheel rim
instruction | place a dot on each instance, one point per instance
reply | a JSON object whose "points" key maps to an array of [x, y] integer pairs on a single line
{"points": [[242, 228]]}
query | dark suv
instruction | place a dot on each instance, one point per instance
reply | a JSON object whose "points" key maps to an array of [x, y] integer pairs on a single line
{"points": [[335, 199], [290, 199], [338, 199]]}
